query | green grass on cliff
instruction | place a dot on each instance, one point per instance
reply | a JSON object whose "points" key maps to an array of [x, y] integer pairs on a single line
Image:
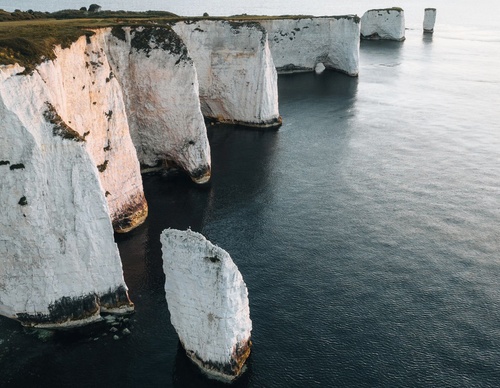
{"points": [[30, 42]]}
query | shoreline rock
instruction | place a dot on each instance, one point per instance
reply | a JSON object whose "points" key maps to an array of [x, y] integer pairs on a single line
{"points": [[160, 84], [57, 248]]}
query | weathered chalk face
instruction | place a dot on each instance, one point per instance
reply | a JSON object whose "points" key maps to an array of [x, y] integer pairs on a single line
{"points": [[160, 86], [193, 155]]}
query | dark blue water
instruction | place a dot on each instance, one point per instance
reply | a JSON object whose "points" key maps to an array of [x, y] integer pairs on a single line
{"points": [[366, 229]]}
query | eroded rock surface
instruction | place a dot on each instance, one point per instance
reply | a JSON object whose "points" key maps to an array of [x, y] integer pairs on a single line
{"points": [[238, 80], [84, 95]]}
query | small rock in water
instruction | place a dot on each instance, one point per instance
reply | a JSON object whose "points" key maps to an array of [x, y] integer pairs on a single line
{"points": [[44, 335], [109, 318], [115, 337], [320, 68], [126, 331], [113, 330]]}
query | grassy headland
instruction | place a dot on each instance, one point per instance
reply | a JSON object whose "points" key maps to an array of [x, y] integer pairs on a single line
{"points": [[29, 38]]}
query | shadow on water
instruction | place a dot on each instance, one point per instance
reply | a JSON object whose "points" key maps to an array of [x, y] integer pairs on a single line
{"points": [[329, 85], [380, 52], [427, 38]]}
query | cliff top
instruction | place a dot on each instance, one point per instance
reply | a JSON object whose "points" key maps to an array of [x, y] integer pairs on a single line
{"points": [[28, 38]]}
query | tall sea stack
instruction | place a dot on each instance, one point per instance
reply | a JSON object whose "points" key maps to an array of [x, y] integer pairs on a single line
{"points": [[208, 303], [429, 20]]}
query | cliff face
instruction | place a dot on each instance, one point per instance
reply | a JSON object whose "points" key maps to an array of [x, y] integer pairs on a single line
{"points": [[81, 88], [208, 303], [160, 87], [299, 44], [238, 80], [386, 23], [60, 265]]}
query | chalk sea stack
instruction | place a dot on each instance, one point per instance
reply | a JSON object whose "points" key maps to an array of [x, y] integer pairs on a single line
{"points": [[429, 20], [387, 24], [236, 73], [208, 303]]}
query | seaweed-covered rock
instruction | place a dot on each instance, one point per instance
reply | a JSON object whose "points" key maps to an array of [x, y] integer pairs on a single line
{"points": [[208, 303]]}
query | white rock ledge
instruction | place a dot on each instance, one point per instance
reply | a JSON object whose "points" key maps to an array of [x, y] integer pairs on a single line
{"points": [[387, 23], [208, 303], [301, 43]]}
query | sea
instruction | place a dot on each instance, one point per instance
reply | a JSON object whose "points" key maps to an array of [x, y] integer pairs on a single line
{"points": [[367, 228]]}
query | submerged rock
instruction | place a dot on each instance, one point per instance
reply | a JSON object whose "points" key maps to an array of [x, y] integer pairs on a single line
{"points": [[388, 23], [208, 303], [429, 20]]}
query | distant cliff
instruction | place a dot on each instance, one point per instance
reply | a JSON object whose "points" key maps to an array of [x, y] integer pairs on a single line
{"points": [[300, 43]]}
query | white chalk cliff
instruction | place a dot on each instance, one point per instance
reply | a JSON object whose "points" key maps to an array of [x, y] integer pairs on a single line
{"points": [[208, 303], [301, 43], [69, 173], [59, 264], [388, 23], [160, 87], [238, 80], [83, 92]]}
